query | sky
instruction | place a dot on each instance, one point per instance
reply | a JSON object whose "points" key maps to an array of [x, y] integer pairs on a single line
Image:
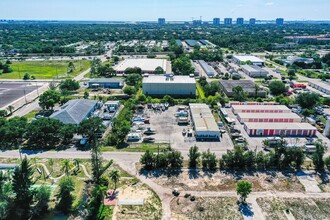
{"points": [[172, 10]]}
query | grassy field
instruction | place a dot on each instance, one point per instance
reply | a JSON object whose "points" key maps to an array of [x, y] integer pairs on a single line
{"points": [[200, 91], [137, 148], [45, 69]]}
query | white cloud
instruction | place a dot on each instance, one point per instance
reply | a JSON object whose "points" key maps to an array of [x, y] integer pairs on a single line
{"points": [[269, 3]]}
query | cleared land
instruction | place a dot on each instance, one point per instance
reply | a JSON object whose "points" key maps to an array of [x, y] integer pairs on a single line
{"points": [[279, 209], [45, 69], [205, 208], [220, 181]]}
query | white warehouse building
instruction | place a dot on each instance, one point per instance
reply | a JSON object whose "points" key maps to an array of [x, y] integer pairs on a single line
{"points": [[177, 86], [254, 71], [204, 123], [245, 58]]}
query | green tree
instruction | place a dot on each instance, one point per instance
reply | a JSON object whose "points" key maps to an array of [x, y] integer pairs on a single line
{"points": [[98, 169], [133, 79], [318, 156], [308, 100], [66, 166], [3, 113], [65, 196], [42, 198], [71, 67], [159, 70], [86, 94], [182, 66], [7, 196], [114, 177], [26, 76], [12, 132], [67, 132], [148, 160], [141, 98], [90, 128], [239, 94], [69, 85], [175, 159], [277, 87], [6, 69], [76, 162], [209, 160], [44, 133], [243, 189], [48, 99], [22, 182], [194, 156], [129, 90]]}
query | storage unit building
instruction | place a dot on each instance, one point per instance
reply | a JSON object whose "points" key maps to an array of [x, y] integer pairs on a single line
{"points": [[251, 103], [179, 86], [205, 126], [254, 71], [321, 86], [260, 109], [146, 65], [280, 129], [207, 69], [270, 118]]}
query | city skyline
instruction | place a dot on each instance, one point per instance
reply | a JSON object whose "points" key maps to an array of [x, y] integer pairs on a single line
{"points": [[151, 10]]}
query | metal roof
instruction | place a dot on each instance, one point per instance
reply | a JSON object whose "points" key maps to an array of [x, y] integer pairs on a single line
{"points": [[267, 115], [203, 118], [253, 68], [260, 107], [106, 80], [168, 80], [206, 67], [280, 126], [74, 111], [244, 58]]}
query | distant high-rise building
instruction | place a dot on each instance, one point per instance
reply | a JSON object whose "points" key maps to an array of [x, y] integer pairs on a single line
{"points": [[252, 21], [279, 21], [216, 21], [240, 21], [197, 22], [228, 21], [161, 21]]}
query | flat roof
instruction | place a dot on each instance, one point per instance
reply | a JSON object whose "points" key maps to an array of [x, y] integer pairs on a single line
{"points": [[203, 118], [322, 84], [247, 85], [144, 64], [168, 80], [252, 68], [280, 126], [106, 80], [260, 107], [267, 115], [244, 58]]}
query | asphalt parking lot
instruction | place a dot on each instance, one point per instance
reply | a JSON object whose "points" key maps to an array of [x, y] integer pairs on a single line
{"points": [[11, 91], [168, 131]]}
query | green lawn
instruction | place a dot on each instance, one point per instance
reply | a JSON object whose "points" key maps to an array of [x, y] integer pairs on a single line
{"points": [[31, 115], [45, 69], [137, 148], [200, 91]]}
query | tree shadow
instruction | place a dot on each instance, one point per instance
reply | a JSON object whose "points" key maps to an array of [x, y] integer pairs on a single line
{"points": [[246, 210], [193, 173]]}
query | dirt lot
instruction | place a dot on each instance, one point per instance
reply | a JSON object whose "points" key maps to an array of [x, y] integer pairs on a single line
{"points": [[152, 208], [323, 182], [168, 131], [220, 181], [303, 209], [205, 208]]}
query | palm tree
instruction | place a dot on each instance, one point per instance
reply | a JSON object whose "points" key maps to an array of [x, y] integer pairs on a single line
{"points": [[10, 109], [77, 163], [51, 164], [66, 164], [256, 90], [114, 176]]}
